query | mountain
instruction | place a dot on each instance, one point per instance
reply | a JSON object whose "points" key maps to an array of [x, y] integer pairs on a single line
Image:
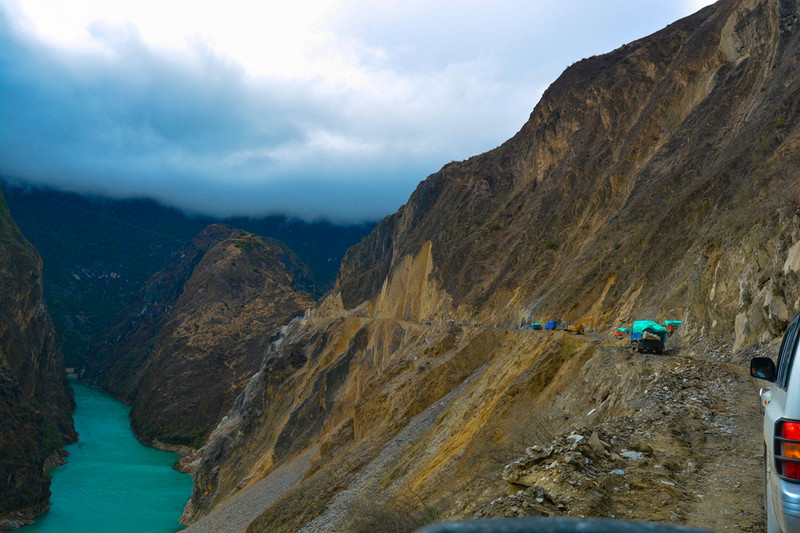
{"points": [[659, 181], [197, 330], [97, 252], [642, 176], [36, 400]]}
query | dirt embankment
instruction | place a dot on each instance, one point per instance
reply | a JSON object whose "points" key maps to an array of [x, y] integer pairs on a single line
{"points": [[674, 439]]}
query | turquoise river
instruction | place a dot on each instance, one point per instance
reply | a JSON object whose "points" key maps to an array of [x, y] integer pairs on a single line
{"points": [[111, 483]]}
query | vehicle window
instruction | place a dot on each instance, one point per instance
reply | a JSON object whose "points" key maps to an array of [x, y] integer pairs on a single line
{"points": [[786, 354], [789, 363]]}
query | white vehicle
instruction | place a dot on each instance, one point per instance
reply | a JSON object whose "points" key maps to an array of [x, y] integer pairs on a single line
{"points": [[781, 406]]}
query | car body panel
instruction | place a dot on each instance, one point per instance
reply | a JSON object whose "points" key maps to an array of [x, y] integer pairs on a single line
{"points": [[781, 401], [789, 519]]}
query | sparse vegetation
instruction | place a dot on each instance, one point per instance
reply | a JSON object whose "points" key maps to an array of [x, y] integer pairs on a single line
{"points": [[245, 245], [51, 439], [666, 233], [193, 439], [761, 146], [533, 427], [403, 514]]}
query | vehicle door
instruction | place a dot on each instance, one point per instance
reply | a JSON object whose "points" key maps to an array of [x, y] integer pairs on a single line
{"points": [[774, 403]]}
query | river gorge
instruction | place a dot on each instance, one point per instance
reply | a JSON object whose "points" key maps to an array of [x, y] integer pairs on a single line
{"points": [[111, 482]]}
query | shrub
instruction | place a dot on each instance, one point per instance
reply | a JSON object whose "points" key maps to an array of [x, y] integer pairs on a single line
{"points": [[398, 515], [193, 439], [244, 245], [51, 439]]}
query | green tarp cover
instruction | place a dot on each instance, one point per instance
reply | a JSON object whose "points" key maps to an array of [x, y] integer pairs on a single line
{"points": [[675, 323], [623, 330], [654, 327]]}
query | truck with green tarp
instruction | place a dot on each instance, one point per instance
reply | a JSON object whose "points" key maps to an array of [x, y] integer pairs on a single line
{"points": [[648, 336]]}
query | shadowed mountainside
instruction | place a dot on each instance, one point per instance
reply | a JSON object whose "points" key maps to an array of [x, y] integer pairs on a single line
{"points": [[36, 400], [97, 252], [197, 330]]}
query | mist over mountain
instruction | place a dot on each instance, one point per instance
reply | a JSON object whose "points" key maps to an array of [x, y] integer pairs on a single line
{"points": [[325, 110]]}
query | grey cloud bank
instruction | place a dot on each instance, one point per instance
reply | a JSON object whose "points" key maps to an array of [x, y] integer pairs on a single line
{"points": [[197, 136], [196, 131]]}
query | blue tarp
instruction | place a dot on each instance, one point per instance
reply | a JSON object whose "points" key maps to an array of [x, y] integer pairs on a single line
{"points": [[640, 326]]}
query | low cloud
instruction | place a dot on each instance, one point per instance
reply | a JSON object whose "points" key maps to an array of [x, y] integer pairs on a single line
{"points": [[193, 128]]}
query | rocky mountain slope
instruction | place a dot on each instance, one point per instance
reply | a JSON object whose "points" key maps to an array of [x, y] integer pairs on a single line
{"points": [[660, 181], [636, 175], [36, 401], [97, 252], [197, 330]]}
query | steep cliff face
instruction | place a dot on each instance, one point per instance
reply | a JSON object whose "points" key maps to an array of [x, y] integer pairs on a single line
{"points": [[658, 181], [36, 400], [198, 330], [637, 175], [341, 386]]}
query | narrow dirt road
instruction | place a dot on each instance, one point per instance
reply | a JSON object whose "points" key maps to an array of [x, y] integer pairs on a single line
{"points": [[678, 442], [728, 487]]}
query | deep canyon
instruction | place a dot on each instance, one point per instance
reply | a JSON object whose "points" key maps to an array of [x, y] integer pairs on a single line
{"points": [[658, 181]]}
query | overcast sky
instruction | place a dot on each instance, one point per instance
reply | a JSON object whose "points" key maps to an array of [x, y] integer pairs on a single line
{"points": [[312, 108]]}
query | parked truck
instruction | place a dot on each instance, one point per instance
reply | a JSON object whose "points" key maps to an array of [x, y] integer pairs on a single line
{"points": [[648, 336]]}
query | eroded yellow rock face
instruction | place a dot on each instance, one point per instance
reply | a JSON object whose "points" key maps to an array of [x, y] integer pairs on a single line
{"points": [[354, 383], [658, 181]]}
